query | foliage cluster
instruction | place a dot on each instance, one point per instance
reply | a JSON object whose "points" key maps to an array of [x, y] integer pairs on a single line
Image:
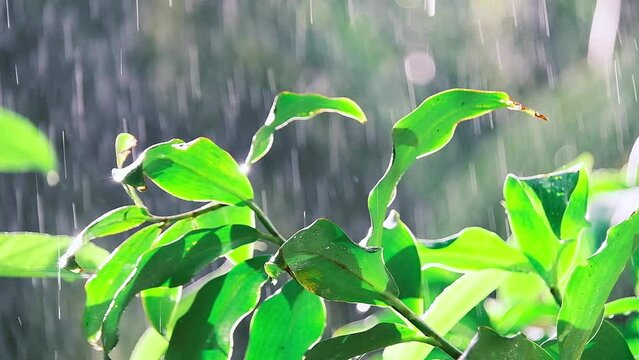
{"points": [[551, 272]]}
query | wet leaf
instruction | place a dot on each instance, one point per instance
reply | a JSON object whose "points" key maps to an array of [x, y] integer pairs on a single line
{"points": [[290, 106], [286, 324], [113, 222], [151, 346], [160, 306], [402, 261], [450, 306], [378, 337], [487, 344], [472, 249], [27, 254], [206, 330], [426, 130], [124, 143], [609, 343], [591, 284], [531, 227], [327, 263], [169, 265], [104, 285], [623, 306], [196, 171], [24, 147]]}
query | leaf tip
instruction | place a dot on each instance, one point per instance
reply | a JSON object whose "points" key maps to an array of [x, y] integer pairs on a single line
{"points": [[514, 105]]}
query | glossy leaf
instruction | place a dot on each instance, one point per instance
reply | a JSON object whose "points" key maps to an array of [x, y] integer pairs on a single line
{"points": [[151, 346], [623, 306], [170, 265], [160, 306], [24, 147], [402, 261], [206, 330], [113, 222], [426, 130], [609, 343], [530, 226], [327, 263], [487, 344], [196, 171], [378, 337], [450, 307], [124, 143], [26, 254], [290, 106], [472, 249], [105, 284], [591, 284], [286, 324]]}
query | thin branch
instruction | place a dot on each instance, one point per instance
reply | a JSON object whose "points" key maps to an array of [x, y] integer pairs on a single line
{"points": [[414, 319], [261, 216], [189, 214]]}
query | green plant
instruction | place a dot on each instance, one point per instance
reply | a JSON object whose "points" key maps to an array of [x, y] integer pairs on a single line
{"points": [[551, 251]]}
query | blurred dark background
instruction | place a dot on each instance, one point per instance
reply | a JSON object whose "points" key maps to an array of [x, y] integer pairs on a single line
{"points": [[85, 71]]}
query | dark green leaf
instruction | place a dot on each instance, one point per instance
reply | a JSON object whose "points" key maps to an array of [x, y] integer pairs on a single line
{"points": [[26, 254], [450, 307], [609, 343], [286, 324], [104, 285], [424, 131], [402, 261], [591, 284], [530, 226], [623, 306], [124, 142], [170, 265], [487, 344], [290, 106], [349, 346], [326, 262], [160, 306], [24, 147], [206, 330], [473, 249], [197, 171], [114, 222]]}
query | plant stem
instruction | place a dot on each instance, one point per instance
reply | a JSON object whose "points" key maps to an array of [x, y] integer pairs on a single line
{"points": [[189, 214], [555, 294], [261, 216], [414, 319], [270, 238]]}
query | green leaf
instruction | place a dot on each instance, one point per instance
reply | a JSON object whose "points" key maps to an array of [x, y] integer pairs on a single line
{"points": [[450, 307], [104, 285], [609, 343], [160, 306], [426, 130], [26, 254], [402, 261], [286, 324], [623, 306], [327, 263], [472, 249], [124, 143], [113, 222], [290, 106], [169, 265], [151, 346], [591, 284], [487, 344], [196, 171], [206, 330], [24, 147], [530, 226], [350, 346]]}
